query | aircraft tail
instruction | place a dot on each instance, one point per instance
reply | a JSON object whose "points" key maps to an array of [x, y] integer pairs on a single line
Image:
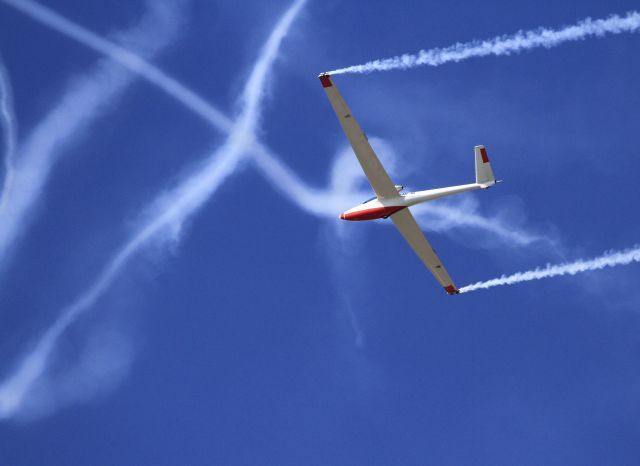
{"points": [[484, 173]]}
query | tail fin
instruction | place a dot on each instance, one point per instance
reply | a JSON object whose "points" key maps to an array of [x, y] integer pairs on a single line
{"points": [[484, 173]]}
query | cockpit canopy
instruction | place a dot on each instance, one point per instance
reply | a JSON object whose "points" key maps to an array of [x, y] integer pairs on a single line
{"points": [[398, 188]]}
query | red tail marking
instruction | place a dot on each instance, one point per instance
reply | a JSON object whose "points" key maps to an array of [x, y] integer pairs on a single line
{"points": [[485, 157]]}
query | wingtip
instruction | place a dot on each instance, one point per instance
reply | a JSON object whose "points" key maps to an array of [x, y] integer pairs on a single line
{"points": [[325, 79], [451, 290]]}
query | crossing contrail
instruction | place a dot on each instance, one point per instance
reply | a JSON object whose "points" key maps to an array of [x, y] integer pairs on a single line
{"points": [[86, 98], [168, 213], [321, 202], [503, 45], [9, 131], [608, 259], [130, 60], [165, 219]]}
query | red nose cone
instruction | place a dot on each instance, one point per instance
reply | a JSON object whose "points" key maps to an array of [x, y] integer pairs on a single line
{"points": [[342, 216]]}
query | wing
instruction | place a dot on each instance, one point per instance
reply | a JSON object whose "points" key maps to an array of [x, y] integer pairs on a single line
{"points": [[373, 169], [404, 221]]}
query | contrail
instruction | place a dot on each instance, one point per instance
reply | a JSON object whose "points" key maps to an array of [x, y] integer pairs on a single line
{"points": [[503, 45], [85, 99], [9, 125], [125, 57], [315, 201], [168, 213], [609, 259], [445, 216]]}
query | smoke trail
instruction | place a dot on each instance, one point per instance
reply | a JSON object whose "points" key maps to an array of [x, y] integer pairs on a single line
{"points": [[609, 259], [126, 58], [168, 214], [446, 215], [315, 201], [85, 99], [503, 45], [8, 123]]}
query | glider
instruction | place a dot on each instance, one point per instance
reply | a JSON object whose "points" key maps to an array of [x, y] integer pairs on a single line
{"points": [[390, 201]]}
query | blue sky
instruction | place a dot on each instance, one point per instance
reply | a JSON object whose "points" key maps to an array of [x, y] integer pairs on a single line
{"points": [[169, 296]]}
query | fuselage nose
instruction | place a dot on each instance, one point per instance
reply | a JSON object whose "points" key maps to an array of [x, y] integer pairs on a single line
{"points": [[363, 212]]}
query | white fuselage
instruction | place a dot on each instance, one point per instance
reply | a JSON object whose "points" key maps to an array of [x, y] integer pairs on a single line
{"points": [[382, 208]]}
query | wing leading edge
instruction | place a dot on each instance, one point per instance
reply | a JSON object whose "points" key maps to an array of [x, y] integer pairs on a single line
{"points": [[384, 187], [409, 229], [373, 169]]}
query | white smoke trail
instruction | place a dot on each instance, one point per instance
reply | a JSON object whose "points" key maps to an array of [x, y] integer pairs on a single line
{"points": [[169, 212], [609, 259], [125, 57], [503, 45], [447, 215], [315, 201], [85, 99], [9, 130]]}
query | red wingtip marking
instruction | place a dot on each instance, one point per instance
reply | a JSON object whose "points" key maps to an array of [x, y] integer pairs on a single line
{"points": [[451, 289], [325, 79], [483, 153]]}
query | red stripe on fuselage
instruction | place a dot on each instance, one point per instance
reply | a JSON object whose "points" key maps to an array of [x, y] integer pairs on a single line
{"points": [[372, 214]]}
